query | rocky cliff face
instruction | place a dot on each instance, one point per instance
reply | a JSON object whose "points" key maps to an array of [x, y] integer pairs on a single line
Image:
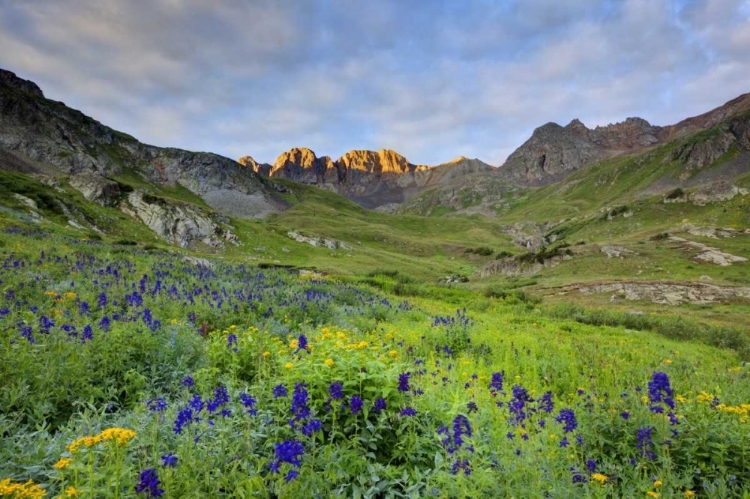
{"points": [[50, 132], [302, 165], [176, 223], [552, 153]]}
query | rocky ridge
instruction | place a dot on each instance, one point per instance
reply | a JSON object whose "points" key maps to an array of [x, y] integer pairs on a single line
{"points": [[371, 178], [553, 152]]}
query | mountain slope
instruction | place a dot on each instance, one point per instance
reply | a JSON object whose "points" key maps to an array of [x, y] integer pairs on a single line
{"points": [[51, 133]]}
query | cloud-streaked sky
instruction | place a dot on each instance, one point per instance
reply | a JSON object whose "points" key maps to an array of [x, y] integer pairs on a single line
{"points": [[431, 79]]}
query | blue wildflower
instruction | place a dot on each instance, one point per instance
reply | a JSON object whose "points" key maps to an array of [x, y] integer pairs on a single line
{"points": [[380, 405], [403, 382], [546, 404], [408, 412], [336, 390], [659, 389], [157, 405], [290, 451], [184, 418], [188, 382], [644, 442], [311, 427], [299, 401], [302, 343], [249, 402], [148, 483], [280, 391], [88, 333], [291, 475], [355, 405], [568, 418], [169, 460]]}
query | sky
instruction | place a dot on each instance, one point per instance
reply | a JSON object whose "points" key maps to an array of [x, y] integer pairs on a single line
{"points": [[431, 79]]}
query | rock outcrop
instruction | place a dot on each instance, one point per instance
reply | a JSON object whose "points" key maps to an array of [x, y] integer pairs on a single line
{"points": [[716, 192], [96, 188], [708, 254], [318, 242], [176, 223], [520, 265]]}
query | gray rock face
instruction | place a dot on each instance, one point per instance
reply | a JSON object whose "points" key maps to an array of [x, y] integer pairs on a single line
{"points": [[96, 188], [176, 224], [552, 153]]}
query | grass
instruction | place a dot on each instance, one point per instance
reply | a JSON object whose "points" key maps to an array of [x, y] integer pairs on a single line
{"points": [[437, 356]]}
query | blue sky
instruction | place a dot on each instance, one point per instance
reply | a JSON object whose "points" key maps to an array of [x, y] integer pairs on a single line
{"points": [[431, 79]]}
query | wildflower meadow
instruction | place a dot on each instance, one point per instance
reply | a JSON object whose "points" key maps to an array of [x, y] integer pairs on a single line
{"points": [[127, 373]]}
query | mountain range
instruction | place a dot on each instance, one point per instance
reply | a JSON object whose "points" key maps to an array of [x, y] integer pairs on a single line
{"points": [[50, 138]]}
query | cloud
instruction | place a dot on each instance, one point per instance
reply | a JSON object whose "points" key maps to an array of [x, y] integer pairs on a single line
{"points": [[432, 80]]}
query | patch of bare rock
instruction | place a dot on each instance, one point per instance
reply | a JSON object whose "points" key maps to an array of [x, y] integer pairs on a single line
{"points": [[708, 253], [615, 251], [318, 242], [664, 293]]}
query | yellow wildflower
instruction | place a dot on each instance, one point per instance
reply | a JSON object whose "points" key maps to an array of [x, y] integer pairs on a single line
{"points": [[28, 490], [71, 492], [688, 494], [658, 483], [651, 493], [329, 362], [599, 477], [70, 295], [705, 397], [63, 463], [266, 353], [293, 344], [289, 365], [680, 398], [119, 435], [82, 442]]}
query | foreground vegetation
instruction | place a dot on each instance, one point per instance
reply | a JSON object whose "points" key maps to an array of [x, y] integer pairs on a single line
{"points": [[128, 373]]}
